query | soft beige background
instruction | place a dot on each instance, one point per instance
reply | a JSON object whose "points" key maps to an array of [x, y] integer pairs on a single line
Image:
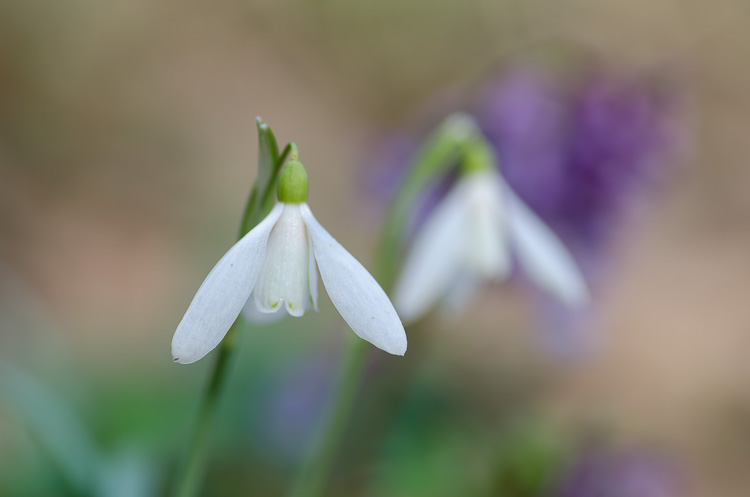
{"points": [[127, 147]]}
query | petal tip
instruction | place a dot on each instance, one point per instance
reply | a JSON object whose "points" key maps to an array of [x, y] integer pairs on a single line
{"points": [[401, 351], [183, 355], [397, 347], [185, 360], [182, 359]]}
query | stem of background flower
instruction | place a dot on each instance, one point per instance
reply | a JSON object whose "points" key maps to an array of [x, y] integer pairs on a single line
{"points": [[319, 462], [193, 471]]}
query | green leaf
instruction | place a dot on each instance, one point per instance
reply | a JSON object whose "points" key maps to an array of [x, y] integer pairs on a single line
{"points": [[51, 422], [269, 165]]}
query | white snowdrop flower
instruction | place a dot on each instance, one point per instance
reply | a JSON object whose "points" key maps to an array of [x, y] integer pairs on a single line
{"points": [[469, 238], [272, 270]]}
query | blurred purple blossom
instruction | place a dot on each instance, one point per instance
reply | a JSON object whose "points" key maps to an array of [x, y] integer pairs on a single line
{"points": [[578, 156], [629, 474]]}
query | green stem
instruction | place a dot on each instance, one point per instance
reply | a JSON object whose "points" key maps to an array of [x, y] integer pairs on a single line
{"points": [[318, 464], [195, 465]]}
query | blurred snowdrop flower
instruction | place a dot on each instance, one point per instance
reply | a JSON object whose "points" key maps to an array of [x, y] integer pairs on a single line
{"points": [[272, 270], [469, 239]]}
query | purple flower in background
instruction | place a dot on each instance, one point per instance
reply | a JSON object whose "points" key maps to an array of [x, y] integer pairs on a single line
{"points": [[618, 142], [602, 474], [577, 157]]}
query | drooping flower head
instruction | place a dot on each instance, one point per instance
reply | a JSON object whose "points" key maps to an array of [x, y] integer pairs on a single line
{"points": [[470, 237], [575, 153], [578, 155], [274, 269]]}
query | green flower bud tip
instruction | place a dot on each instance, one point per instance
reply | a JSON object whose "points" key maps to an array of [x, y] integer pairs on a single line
{"points": [[292, 188], [460, 126], [477, 157]]}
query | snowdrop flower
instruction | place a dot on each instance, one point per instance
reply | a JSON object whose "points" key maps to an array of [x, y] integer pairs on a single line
{"points": [[273, 270], [469, 237]]}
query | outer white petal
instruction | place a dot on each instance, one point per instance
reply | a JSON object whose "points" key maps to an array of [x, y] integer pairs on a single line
{"points": [[354, 292], [436, 257], [461, 293], [222, 295], [543, 256], [313, 274]]}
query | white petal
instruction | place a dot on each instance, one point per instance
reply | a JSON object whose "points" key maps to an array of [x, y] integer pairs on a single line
{"points": [[436, 256], [487, 248], [222, 295], [543, 256], [284, 277], [251, 313], [313, 278], [354, 292], [461, 293]]}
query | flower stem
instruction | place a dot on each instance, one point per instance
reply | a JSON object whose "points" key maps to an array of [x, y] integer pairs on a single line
{"points": [[319, 462], [189, 483]]}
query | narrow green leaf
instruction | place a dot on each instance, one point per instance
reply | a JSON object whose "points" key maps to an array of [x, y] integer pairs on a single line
{"points": [[269, 165], [268, 152], [50, 421]]}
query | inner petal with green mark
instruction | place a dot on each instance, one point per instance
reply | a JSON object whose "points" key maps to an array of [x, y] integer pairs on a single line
{"points": [[284, 277]]}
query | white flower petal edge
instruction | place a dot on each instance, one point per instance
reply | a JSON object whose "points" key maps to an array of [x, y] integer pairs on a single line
{"points": [[436, 257], [354, 292], [543, 256], [313, 273], [487, 253], [223, 294]]}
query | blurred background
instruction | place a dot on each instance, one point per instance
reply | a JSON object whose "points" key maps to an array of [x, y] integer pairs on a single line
{"points": [[127, 151]]}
